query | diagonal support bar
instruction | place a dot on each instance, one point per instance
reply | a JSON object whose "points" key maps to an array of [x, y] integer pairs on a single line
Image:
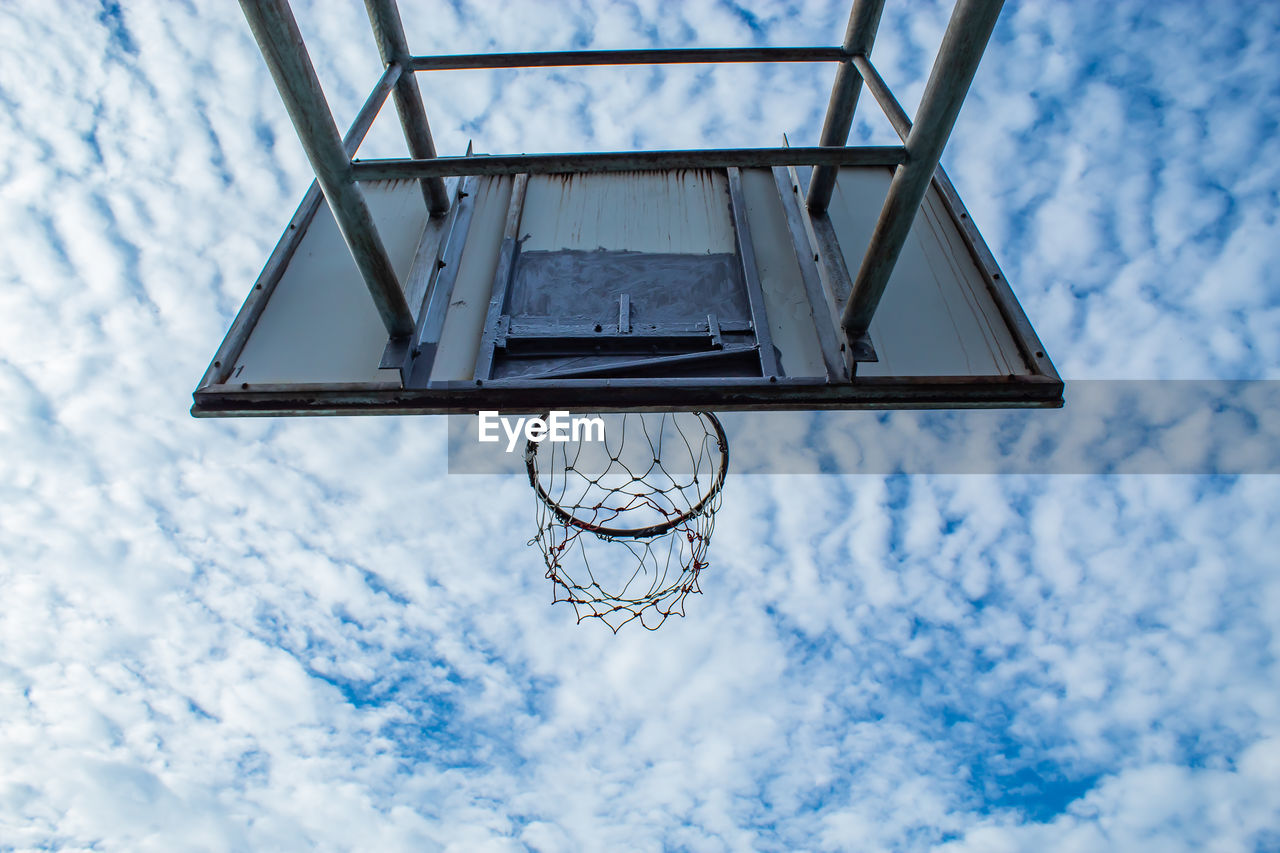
{"points": [[388, 31], [864, 20], [966, 38], [276, 32], [889, 105]]}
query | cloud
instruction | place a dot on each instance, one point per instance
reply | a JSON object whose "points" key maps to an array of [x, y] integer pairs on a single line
{"points": [[300, 634]]}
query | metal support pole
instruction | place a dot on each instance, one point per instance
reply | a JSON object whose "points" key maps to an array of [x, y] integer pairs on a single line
{"points": [[278, 38], [864, 19], [388, 31], [967, 34]]}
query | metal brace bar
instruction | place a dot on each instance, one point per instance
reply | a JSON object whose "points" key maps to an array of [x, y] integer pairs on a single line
{"points": [[889, 105], [424, 270], [824, 314], [526, 328], [671, 56], [626, 393], [833, 275], [448, 259], [388, 32], [751, 275], [859, 36], [642, 363], [369, 111], [626, 161], [276, 32], [501, 278], [968, 31], [858, 348], [624, 314]]}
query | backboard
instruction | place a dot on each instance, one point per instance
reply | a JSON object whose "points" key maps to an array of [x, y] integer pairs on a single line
{"points": [[677, 280]]}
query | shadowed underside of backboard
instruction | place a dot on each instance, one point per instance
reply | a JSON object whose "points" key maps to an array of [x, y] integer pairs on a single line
{"points": [[788, 278]]}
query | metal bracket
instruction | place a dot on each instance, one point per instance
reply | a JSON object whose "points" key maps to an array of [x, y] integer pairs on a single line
{"points": [[861, 349], [807, 256], [396, 354], [502, 277], [444, 272], [751, 276]]}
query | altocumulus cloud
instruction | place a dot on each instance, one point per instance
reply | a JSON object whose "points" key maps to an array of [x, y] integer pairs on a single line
{"points": [[299, 635]]}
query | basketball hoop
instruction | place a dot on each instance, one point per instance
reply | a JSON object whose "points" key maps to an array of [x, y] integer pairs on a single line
{"points": [[650, 484]]}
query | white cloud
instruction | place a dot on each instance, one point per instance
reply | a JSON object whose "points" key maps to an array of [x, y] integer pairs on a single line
{"points": [[301, 634]]}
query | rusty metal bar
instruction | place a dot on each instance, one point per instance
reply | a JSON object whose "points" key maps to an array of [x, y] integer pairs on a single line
{"points": [[625, 161], [968, 31], [671, 56], [388, 31], [276, 32], [859, 36]]}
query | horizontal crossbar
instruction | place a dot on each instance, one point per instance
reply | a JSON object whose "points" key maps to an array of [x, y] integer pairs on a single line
{"points": [[626, 161], [669, 56]]}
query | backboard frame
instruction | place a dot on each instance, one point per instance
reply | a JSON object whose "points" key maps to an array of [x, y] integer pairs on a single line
{"points": [[826, 278]]}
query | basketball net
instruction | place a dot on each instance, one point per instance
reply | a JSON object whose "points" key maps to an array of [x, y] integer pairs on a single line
{"points": [[624, 523]]}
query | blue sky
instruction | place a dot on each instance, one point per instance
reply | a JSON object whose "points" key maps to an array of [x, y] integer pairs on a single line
{"points": [[303, 635]]}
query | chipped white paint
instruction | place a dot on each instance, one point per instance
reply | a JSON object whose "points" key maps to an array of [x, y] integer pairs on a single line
{"points": [[320, 324], [936, 317], [681, 212]]}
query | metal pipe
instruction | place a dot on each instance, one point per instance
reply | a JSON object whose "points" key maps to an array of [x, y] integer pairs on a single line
{"points": [[669, 56], [966, 37], [369, 112], [859, 36], [276, 32], [889, 105], [388, 31], [626, 161]]}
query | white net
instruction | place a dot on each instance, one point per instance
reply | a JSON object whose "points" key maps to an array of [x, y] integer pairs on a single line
{"points": [[625, 519]]}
